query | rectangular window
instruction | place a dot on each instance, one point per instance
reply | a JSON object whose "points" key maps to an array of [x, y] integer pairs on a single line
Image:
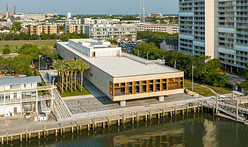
{"points": [[111, 88], [150, 88], [116, 85], [164, 86], [151, 82], [136, 89], [129, 90], [157, 87], [143, 88]]}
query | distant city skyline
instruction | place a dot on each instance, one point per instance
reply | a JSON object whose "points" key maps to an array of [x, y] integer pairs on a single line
{"points": [[90, 7]]}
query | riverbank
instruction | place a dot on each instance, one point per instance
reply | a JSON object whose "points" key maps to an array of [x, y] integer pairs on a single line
{"points": [[43, 129]]}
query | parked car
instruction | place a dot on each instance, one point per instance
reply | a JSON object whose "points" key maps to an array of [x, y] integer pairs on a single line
{"points": [[7, 73]]}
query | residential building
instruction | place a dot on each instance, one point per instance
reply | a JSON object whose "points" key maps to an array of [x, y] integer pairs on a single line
{"points": [[73, 21], [168, 28], [216, 28], [19, 96], [47, 29], [31, 16], [159, 15], [90, 21], [112, 31], [74, 28], [1, 15], [122, 76], [7, 23], [169, 45], [130, 21]]}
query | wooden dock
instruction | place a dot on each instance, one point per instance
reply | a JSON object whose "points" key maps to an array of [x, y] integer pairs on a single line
{"points": [[58, 128]]}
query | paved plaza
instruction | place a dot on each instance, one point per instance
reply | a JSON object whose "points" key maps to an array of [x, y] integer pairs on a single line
{"points": [[93, 104], [100, 102]]}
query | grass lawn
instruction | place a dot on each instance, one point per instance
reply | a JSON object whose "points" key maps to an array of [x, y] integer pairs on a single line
{"points": [[198, 89], [19, 43], [220, 90], [75, 93]]}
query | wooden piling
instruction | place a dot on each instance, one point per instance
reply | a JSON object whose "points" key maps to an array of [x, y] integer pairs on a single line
{"points": [[137, 117], [56, 132], [118, 122], [72, 129], [146, 117], [103, 124], [38, 135], [158, 115], [88, 127], [2, 141], [20, 137], [11, 138], [132, 120]]}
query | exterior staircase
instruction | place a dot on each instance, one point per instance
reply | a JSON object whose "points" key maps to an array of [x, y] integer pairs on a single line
{"points": [[61, 110]]}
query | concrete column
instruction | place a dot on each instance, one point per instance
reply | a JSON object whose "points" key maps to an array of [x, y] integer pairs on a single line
{"points": [[216, 104], [4, 104], [123, 103], [161, 98], [21, 103], [36, 107], [52, 93]]}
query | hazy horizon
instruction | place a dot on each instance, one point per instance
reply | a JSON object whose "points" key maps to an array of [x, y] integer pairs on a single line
{"points": [[93, 7]]}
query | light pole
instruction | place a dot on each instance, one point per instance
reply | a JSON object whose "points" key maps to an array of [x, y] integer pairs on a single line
{"points": [[39, 62]]}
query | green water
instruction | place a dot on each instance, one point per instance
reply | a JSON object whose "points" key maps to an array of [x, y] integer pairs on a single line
{"points": [[194, 130]]}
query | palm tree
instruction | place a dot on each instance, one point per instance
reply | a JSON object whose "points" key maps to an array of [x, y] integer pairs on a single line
{"points": [[71, 67], [63, 70], [66, 74], [57, 65], [82, 66], [77, 64]]}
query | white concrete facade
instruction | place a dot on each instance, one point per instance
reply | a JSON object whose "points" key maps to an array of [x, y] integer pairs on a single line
{"points": [[16, 94], [107, 72], [94, 48], [171, 29]]}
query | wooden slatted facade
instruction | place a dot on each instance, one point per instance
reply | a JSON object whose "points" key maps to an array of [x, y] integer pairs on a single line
{"points": [[155, 85]]}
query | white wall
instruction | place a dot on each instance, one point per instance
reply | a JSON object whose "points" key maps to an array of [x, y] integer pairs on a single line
{"points": [[10, 109]]}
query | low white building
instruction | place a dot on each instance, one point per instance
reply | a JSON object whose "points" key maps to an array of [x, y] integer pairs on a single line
{"points": [[122, 76], [94, 48], [89, 21], [20, 95]]}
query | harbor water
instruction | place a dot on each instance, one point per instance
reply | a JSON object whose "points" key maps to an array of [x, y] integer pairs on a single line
{"points": [[192, 130]]}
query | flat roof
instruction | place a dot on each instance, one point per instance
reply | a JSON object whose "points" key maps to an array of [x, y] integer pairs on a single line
{"points": [[22, 80], [124, 66]]}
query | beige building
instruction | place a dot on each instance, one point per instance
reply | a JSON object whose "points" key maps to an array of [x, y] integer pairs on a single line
{"points": [[168, 28], [74, 28], [122, 76], [47, 29]]}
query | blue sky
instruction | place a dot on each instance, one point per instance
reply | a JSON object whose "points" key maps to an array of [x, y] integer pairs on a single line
{"points": [[90, 6]]}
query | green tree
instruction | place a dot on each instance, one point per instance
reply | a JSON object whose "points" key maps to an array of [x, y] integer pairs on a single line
{"points": [[82, 67], [16, 26], [6, 49], [30, 49]]}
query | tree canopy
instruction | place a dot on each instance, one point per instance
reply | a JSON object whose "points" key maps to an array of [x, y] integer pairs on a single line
{"points": [[206, 70]]}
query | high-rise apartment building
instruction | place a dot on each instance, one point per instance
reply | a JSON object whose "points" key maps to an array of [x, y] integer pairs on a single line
{"points": [[216, 28]]}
